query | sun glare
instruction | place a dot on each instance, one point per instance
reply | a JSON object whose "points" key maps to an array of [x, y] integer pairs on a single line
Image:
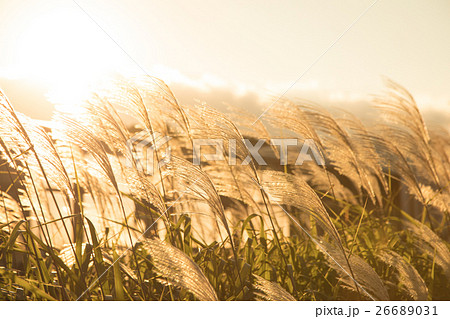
{"points": [[69, 53]]}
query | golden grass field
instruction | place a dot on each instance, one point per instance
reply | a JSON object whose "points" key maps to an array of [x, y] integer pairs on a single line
{"points": [[81, 220]]}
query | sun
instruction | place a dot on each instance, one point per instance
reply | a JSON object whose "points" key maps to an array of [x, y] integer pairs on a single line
{"points": [[67, 51]]}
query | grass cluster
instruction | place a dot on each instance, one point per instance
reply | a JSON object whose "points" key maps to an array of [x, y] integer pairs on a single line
{"points": [[80, 219]]}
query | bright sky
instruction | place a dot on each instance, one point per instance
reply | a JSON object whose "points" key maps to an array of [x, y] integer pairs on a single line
{"points": [[231, 51]]}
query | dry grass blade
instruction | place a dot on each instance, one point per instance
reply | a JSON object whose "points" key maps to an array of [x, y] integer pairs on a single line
{"points": [[199, 184], [67, 253], [151, 101], [341, 149], [364, 275], [292, 117], [411, 281], [408, 130], [292, 190], [431, 244], [237, 185], [52, 164], [365, 148], [333, 142], [11, 127], [144, 190], [177, 269], [397, 165], [82, 137], [437, 199], [10, 211], [67, 256], [257, 130], [323, 182], [440, 145], [106, 124], [271, 291], [211, 124]]}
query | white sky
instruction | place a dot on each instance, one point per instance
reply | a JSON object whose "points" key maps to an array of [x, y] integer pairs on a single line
{"points": [[258, 47]]}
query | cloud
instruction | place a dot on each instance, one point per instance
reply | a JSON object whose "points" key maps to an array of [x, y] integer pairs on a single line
{"points": [[210, 89], [218, 97], [31, 97], [174, 76]]}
